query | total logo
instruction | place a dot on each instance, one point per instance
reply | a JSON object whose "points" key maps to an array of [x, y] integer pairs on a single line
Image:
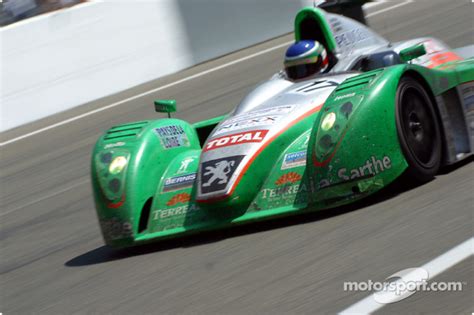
{"points": [[236, 138]]}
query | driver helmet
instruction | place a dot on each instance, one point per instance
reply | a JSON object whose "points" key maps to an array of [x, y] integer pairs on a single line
{"points": [[305, 58]]}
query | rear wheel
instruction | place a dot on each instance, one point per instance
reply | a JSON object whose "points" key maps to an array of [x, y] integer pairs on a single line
{"points": [[418, 130]]}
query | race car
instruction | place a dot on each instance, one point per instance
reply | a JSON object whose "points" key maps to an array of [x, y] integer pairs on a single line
{"points": [[349, 114]]}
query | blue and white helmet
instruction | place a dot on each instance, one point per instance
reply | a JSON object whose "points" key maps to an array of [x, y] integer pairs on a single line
{"points": [[305, 58]]}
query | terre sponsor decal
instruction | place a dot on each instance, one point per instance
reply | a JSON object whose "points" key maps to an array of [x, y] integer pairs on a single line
{"points": [[215, 174], [294, 159], [296, 194], [236, 138], [179, 198], [179, 182], [172, 136], [288, 178], [172, 212], [281, 192]]}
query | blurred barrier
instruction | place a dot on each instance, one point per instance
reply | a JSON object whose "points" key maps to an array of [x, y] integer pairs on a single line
{"points": [[16, 10], [56, 61]]}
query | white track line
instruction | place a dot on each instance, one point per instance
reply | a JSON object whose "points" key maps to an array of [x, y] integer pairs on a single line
{"points": [[197, 75], [434, 268], [374, 4], [389, 8]]}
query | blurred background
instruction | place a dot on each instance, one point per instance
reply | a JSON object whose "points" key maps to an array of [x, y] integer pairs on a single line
{"points": [[16, 10]]}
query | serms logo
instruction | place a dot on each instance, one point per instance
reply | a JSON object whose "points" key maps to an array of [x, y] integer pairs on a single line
{"points": [[236, 138]]}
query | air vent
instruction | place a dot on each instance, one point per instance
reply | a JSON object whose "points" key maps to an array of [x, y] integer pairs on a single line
{"points": [[125, 131], [145, 215], [358, 81]]}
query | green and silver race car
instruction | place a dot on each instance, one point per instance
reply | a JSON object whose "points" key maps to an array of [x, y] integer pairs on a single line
{"points": [[292, 145]]}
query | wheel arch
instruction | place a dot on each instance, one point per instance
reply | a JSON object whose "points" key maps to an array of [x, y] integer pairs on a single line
{"points": [[420, 78], [446, 92]]}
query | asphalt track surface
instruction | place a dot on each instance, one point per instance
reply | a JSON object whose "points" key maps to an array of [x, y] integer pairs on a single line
{"points": [[53, 260]]}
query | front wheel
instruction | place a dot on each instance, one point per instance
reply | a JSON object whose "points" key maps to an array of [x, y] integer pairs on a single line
{"points": [[418, 130]]}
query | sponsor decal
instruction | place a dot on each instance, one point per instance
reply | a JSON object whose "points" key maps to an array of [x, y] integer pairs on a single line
{"points": [[284, 195], [247, 123], [304, 145], [215, 174], [274, 110], [335, 24], [443, 58], [288, 178], [261, 117], [179, 182], [172, 136], [179, 198], [114, 229], [184, 165], [173, 212], [341, 97], [372, 166], [351, 37], [294, 159], [113, 145], [236, 138]]}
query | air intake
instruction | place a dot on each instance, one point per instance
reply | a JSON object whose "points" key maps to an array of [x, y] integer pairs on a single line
{"points": [[125, 131], [358, 82]]}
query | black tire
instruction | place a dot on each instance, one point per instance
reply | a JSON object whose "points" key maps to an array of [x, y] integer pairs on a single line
{"points": [[418, 131]]}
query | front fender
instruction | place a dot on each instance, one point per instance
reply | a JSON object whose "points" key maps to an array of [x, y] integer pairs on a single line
{"points": [[354, 144], [127, 165]]}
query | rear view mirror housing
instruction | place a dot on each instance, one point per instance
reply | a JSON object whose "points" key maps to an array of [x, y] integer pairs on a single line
{"points": [[412, 52], [165, 106]]}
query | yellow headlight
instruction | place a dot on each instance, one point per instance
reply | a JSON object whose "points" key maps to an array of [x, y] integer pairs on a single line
{"points": [[117, 165], [328, 121]]}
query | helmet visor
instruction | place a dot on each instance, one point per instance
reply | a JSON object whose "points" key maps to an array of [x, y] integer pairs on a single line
{"points": [[300, 71]]}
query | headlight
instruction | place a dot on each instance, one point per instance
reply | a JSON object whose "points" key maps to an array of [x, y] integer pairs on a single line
{"points": [[117, 165], [328, 121], [111, 170]]}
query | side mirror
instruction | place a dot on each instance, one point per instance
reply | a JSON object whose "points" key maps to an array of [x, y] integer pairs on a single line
{"points": [[165, 106], [413, 52]]}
